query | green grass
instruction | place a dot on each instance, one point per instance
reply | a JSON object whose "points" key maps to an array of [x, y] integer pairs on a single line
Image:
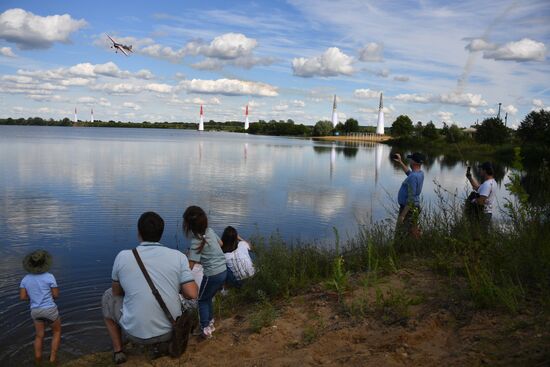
{"points": [[507, 269], [264, 315]]}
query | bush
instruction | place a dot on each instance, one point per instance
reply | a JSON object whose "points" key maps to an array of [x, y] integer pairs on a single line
{"points": [[492, 131], [430, 131], [402, 126], [322, 128]]}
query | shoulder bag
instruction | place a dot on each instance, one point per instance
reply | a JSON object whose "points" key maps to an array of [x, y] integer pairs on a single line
{"points": [[181, 327]]}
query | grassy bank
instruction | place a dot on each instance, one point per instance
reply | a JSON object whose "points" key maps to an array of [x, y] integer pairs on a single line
{"points": [[445, 298], [508, 269], [466, 149]]}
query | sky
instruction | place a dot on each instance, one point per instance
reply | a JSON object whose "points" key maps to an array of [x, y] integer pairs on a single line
{"points": [[444, 61]]}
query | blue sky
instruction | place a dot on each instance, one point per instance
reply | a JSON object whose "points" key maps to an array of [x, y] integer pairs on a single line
{"points": [[440, 61]]}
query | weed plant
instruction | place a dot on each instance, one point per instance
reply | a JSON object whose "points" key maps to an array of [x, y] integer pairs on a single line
{"points": [[506, 267]]}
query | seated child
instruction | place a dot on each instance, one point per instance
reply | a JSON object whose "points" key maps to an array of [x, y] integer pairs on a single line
{"points": [[237, 257], [41, 288]]}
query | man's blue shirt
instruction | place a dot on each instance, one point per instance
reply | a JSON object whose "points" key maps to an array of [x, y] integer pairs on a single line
{"points": [[411, 185]]}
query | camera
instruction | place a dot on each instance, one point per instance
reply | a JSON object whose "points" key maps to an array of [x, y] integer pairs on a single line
{"points": [[394, 156], [468, 172]]}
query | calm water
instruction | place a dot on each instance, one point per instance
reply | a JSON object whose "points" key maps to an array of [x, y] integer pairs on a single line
{"points": [[79, 191]]}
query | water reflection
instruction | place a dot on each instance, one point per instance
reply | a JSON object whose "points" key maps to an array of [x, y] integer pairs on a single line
{"points": [[79, 192]]}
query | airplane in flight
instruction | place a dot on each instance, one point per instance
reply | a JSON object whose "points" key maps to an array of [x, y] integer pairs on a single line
{"points": [[120, 47]]}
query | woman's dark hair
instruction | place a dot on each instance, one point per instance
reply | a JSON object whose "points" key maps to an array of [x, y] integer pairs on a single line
{"points": [[230, 239], [150, 226], [195, 222]]}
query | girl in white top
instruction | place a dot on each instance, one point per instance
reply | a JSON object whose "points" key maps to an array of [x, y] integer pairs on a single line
{"points": [[237, 255]]}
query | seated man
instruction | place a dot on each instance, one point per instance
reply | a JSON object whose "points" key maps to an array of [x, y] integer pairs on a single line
{"points": [[130, 306]]}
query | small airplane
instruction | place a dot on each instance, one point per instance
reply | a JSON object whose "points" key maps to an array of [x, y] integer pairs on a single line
{"points": [[120, 47]]}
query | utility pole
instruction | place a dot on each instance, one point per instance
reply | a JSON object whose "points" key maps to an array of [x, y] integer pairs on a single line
{"points": [[506, 119], [498, 114]]}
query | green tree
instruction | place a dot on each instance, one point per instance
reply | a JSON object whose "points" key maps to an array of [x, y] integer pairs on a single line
{"points": [[322, 128], [534, 133], [351, 125], [535, 128], [430, 131], [418, 128], [402, 126], [340, 127], [492, 131], [453, 134]]}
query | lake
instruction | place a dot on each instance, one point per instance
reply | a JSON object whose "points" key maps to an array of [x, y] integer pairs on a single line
{"points": [[78, 193]]}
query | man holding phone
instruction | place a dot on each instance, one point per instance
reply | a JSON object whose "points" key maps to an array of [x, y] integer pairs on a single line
{"points": [[409, 194], [485, 191]]}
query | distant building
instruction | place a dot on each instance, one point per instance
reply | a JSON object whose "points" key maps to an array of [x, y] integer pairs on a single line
{"points": [[201, 120], [334, 113], [470, 131], [380, 125], [246, 123]]}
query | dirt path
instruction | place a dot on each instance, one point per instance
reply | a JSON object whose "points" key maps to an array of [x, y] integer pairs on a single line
{"points": [[411, 318]]}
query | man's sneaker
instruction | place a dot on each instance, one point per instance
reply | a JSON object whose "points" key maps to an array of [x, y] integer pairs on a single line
{"points": [[206, 333], [211, 326], [119, 357]]}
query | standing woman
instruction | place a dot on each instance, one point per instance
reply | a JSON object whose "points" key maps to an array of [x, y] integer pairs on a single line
{"points": [[206, 250]]}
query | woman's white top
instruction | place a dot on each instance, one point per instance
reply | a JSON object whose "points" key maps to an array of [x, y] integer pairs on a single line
{"points": [[239, 261]]}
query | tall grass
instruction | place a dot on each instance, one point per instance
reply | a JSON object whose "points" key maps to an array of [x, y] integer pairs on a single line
{"points": [[506, 268]]}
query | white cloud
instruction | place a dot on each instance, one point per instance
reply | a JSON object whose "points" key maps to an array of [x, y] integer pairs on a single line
{"points": [[280, 107], [104, 102], [132, 105], [48, 98], [538, 103], [159, 88], [144, 74], [523, 50], [118, 88], [489, 112], [401, 78], [7, 52], [479, 44], [75, 82], [445, 116], [208, 64], [366, 93], [162, 52], [371, 52], [200, 101], [510, 109], [416, 98], [254, 103], [298, 103], [226, 46], [30, 31], [332, 62], [85, 70], [86, 100], [463, 99], [229, 87]]}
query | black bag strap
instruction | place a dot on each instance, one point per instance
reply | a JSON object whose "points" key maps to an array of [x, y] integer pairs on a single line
{"points": [[155, 291]]}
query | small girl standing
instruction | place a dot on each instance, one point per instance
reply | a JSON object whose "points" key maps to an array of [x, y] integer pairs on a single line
{"points": [[237, 256], [40, 287], [206, 250]]}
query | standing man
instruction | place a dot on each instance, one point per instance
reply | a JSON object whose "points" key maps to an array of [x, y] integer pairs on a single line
{"points": [[409, 194], [486, 194], [129, 306]]}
